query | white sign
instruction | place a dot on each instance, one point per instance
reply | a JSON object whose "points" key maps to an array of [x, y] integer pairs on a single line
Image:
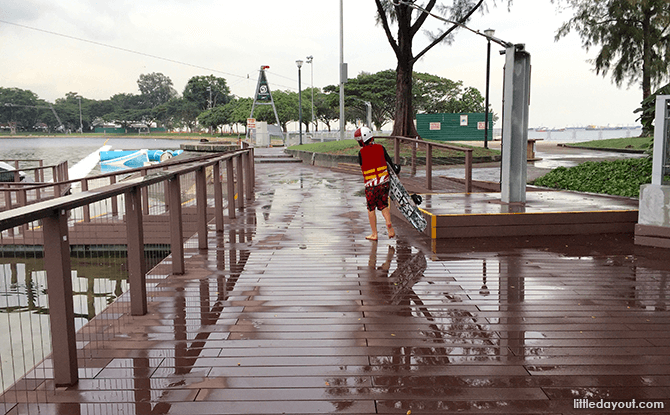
{"points": [[251, 123], [481, 125], [464, 120], [435, 126]]}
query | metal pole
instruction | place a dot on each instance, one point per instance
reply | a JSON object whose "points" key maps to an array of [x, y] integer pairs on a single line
{"points": [[299, 107], [488, 78], [343, 122], [81, 124], [489, 34], [310, 60]]}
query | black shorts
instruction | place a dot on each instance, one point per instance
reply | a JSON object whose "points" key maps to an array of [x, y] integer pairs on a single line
{"points": [[378, 196]]}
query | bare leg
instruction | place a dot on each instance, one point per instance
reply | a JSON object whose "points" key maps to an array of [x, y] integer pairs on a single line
{"points": [[372, 216], [386, 212]]}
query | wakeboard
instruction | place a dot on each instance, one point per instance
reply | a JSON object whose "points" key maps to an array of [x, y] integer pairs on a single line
{"points": [[406, 203]]}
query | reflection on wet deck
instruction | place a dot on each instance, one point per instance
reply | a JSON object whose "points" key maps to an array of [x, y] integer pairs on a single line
{"points": [[293, 311]]}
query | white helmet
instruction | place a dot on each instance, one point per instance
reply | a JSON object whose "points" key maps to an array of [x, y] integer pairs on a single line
{"points": [[363, 135]]}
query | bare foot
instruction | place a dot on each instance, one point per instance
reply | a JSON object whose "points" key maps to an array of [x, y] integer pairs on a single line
{"points": [[371, 237], [390, 230]]}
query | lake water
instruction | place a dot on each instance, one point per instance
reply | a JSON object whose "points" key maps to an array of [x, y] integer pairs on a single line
{"points": [[54, 150], [575, 135], [96, 281]]}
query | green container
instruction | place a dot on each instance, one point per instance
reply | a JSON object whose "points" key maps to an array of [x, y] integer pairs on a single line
{"points": [[453, 127]]}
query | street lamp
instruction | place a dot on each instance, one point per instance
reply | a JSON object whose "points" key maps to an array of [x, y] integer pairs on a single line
{"points": [[310, 58], [81, 124], [489, 33], [299, 63], [209, 105]]}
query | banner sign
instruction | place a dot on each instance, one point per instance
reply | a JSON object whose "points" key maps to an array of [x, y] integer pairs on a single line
{"points": [[263, 93]]}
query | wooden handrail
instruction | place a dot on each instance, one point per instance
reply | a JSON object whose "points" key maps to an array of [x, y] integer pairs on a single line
{"points": [[429, 158]]}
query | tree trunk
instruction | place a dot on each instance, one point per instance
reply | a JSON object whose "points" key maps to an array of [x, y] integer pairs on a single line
{"points": [[404, 110]]}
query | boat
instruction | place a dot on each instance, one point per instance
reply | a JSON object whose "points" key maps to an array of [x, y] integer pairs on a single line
{"points": [[7, 173], [126, 160]]}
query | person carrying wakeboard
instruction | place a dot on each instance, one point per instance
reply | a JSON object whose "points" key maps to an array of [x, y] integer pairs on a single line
{"points": [[374, 161]]}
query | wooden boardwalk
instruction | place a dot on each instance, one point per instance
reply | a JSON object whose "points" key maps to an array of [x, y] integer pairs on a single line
{"points": [[292, 311]]}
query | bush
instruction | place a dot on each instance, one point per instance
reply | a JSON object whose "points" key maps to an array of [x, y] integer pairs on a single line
{"points": [[619, 177]]}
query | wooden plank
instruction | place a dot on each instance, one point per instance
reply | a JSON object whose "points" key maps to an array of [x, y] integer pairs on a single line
{"points": [[519, 219], [532, 230]]}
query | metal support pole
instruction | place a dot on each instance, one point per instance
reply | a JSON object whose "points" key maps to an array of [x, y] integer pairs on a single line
{"points": [[176, 227], [515, 125], [201, 206], [136, 261], [61, 303], [486, 104]]}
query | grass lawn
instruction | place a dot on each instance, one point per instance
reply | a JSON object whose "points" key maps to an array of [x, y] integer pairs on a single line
{"points": [[633, 143], [351, 147]]}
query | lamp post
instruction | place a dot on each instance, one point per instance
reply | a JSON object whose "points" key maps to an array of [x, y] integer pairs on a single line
{"points": [[81, 124], [299, 63], [209, 105], [310, 59], [489, 33]]}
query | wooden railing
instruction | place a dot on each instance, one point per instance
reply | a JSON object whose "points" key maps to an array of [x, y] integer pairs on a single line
{"points": [[52, 217], [415, 144]]}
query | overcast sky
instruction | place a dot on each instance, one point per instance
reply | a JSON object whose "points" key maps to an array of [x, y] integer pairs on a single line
{"points": [[232, 39]]}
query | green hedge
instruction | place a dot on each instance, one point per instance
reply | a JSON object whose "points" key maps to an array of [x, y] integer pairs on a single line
{"points": [[618, 177]]}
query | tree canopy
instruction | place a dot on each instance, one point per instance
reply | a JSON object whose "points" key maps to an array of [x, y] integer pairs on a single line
{"points": [[633, 37]]}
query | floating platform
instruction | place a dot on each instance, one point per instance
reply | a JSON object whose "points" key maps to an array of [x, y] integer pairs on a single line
{"points": [[476, 215]]}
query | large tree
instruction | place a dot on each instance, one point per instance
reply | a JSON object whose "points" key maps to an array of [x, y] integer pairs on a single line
{"points": [[633, 36], [155, 89], [409, 22], [199, 90]]}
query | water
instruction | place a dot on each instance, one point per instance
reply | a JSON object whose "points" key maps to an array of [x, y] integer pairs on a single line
{"points": [[54, 150], [96, 281], [576, 135]]}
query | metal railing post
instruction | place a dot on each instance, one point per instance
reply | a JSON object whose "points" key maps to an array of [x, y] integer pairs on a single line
{"points": [[176, 226], [414, 146], [54, 175], [249, 175], [239, 169], [9, 205], [230, 182], [136, 261], [61, 308], [145, 195], [115, 200], [86, 208], [218, 197], [22, 198], [468, 171], [429, 166], [396, 150], [201, 206]]}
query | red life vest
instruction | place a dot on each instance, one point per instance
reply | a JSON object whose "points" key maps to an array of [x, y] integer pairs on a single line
{"points": [[374, 165]]}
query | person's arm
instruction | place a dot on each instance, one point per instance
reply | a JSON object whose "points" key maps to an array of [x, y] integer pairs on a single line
{"points": [[360, 159]]}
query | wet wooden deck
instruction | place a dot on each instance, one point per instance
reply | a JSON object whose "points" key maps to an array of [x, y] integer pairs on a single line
{"points": [[292, 311]]}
